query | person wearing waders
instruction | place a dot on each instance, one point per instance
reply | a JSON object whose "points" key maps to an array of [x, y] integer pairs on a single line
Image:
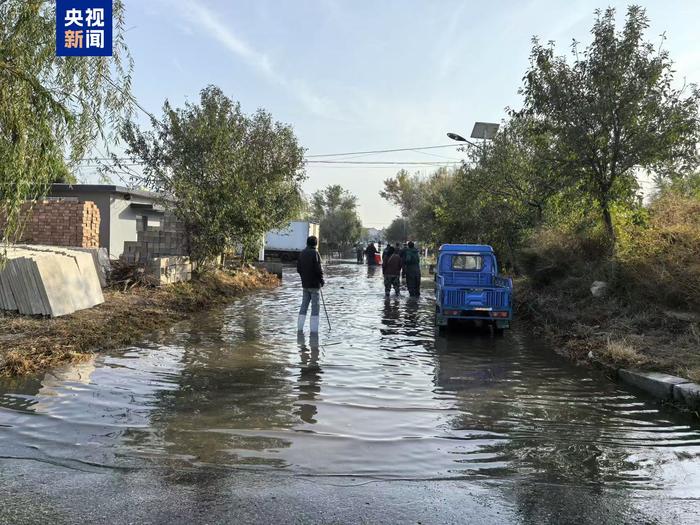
{"points": [[411, 268], [311, 272], [370, 252], [391, 266]]}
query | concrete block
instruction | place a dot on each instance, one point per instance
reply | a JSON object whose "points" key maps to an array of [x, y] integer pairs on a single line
{"points": [[687, 393], [655, 383]]}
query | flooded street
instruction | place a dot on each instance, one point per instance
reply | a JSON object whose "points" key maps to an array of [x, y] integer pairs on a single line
{"points": [[233, 417]]}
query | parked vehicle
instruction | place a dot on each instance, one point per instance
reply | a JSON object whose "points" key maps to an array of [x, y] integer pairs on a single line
{"points": [[286, 244], [468, 286]]}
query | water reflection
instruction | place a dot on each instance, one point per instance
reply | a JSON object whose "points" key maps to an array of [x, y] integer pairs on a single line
{"points": [[380, 395], [309, 382]]}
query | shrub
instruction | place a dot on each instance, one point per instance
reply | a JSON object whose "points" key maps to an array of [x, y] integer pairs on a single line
{"points": [[553, 254], [660, 262]]}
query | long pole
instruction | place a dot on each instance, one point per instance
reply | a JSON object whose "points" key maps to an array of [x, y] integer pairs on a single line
{"points": [[325, 310]]}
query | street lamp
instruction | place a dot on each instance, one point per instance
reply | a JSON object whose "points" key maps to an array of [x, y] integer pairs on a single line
{"points": [[460, 138], [481, 130]]}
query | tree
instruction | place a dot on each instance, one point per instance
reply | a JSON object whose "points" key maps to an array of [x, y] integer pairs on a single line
{"points": [[52, 109], [613, 110], [404, 191], [421, 201], [397, 231], [335, 209], [233, 176], [520, 168]]}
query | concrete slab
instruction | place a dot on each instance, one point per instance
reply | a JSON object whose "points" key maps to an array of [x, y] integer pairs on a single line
{"points": [[50, 281], [91, 287], [8, 300], [655, 383], [16, 286], [688, 393], [99, 257], [60, 277], [37, 283]]}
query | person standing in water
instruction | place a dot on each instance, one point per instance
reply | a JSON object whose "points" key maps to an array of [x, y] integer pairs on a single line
{"points": [[311, 272], [370, 252], [411, 266], [392, 270]]}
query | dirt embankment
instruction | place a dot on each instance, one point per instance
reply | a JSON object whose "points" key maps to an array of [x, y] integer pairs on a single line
{"points": [[648, 314], [28, 345], [640, 335]]}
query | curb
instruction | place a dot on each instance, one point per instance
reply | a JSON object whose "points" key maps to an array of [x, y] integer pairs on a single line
{"points": [[664, 387]]}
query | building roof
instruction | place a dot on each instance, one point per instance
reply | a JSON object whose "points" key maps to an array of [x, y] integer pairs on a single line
{"points": [[108, 188]]}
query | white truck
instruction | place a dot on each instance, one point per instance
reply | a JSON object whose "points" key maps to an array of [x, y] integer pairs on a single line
{"points": [[287, 243]]}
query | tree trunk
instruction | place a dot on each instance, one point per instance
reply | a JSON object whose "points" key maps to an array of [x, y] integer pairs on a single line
{"points": [[609, 228]]}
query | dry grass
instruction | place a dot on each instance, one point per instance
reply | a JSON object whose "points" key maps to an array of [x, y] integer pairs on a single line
{"points": [[639, 334], [622, 352], [660, 261], [33, 344], [690, 373]]}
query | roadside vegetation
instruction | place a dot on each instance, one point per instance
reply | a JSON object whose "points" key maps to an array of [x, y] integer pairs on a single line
{"points": [[335, 210], [30, 345], [53, 110], [557, 193], [232, 176]]}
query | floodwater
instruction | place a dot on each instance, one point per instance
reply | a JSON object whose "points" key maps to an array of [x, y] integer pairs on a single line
{"points": [[379, 397]]}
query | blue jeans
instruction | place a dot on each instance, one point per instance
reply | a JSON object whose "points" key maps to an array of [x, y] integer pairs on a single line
{"points": [[310, 295]]}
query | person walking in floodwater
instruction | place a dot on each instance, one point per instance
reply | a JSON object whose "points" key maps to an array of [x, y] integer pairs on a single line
{"points": [[391, 266], [411, 268], [370, 252], [311, 272], [360, 251]]}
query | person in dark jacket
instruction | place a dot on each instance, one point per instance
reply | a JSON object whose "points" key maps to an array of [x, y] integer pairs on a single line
{"points": [[370, 251], [392, 270], [311, 272], [386, 254], [411, 268]]}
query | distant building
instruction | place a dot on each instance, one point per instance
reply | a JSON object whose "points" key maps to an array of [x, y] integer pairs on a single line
{"points": [[123, 211], [374, 234]]}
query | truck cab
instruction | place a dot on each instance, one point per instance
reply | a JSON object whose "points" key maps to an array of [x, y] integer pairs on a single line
{"points": [[468, 287]]}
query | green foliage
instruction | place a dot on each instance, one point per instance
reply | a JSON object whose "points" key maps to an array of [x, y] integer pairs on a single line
{"points": [[613, 110], [52, 109], [397, 231], [233, 176], [335, 209]]}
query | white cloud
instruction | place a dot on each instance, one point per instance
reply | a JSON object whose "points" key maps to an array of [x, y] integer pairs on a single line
{"points": [[202, 16]]}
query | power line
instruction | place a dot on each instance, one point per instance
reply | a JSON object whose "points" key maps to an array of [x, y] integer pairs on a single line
{"points": [[381, 162], [382, 151]]}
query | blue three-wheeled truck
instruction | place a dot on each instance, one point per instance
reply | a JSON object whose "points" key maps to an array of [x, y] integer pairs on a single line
{"points": [[468, 287]]}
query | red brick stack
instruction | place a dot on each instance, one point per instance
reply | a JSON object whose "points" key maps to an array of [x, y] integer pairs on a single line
{"points": [[62, 223]]}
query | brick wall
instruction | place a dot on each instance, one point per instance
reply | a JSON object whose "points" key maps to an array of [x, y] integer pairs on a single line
{"points": [[61, 223]]}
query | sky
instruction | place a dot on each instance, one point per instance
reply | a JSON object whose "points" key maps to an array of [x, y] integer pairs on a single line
{"points": [[358, 75]]}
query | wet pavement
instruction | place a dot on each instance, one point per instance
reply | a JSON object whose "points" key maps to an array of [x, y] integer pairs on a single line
{"points": [[231, 417]]}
